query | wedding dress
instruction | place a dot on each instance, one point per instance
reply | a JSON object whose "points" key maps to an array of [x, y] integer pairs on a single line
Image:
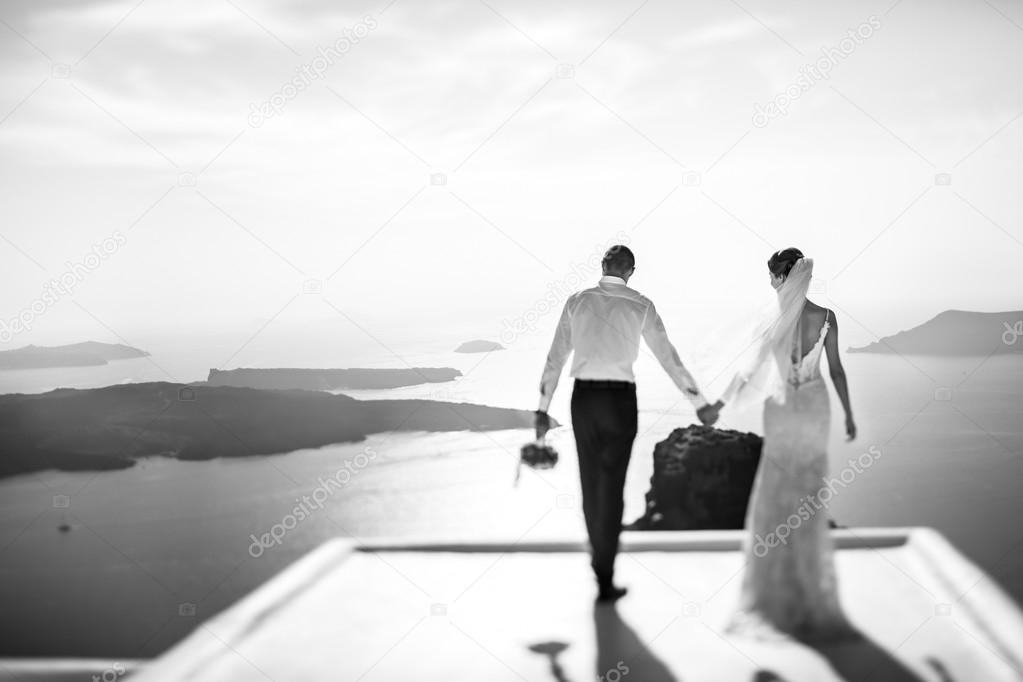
{"points": [[789, 587]]}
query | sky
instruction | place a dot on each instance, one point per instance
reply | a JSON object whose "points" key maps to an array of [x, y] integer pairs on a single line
{"points": [[449, 169]]}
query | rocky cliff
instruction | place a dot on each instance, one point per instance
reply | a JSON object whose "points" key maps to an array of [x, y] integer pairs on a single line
{"points": [[702, 480]]}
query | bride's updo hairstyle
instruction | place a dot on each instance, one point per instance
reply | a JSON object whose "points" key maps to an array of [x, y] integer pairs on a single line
{"points": [[780, 264]]}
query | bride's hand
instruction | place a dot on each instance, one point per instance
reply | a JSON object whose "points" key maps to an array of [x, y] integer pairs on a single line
{"points": [[850, 429]]}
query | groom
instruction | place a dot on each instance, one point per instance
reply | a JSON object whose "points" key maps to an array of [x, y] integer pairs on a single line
{"points": [[603, 326]]}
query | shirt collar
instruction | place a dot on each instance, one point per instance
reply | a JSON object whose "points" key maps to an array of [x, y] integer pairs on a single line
{"points": [[611, 279]]}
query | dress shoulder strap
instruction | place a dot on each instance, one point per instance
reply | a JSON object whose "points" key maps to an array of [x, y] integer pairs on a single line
{"points": [[826, 325]]}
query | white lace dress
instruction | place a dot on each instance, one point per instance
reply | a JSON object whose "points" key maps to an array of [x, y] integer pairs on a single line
{"points": [[789, 586]]}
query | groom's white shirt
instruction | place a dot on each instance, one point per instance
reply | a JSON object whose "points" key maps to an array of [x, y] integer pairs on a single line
{"points": [[603, 325]]}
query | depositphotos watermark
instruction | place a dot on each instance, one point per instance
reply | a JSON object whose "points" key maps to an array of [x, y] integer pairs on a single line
{"points": [[307, 504], [1012, 332], [614, 674], [306, 74], [558, 291], [110, 673], [63, 285], [811, 74], [811, 504]]}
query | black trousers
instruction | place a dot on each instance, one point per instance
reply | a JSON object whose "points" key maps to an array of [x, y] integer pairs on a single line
{"points": [[604, 420]]}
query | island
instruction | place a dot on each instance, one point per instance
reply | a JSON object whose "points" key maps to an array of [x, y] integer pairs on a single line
{"points": [[479, 346], [956, 332], [85, 354], [114, 426], [330, 379]]}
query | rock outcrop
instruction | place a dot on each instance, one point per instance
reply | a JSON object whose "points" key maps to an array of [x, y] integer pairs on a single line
{"points": [[702, 480]]}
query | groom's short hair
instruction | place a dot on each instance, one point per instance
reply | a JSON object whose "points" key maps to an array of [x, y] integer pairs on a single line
{"points": [[618, 259]]}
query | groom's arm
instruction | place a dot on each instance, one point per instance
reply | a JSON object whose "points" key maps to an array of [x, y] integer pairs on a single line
{"points": [[656, 338], [561, 348]]}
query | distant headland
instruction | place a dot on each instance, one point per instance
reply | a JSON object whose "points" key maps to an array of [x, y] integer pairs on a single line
{"points": [[85, 354], [112, 427], [956, 332], [330, 379], [479, 346]]}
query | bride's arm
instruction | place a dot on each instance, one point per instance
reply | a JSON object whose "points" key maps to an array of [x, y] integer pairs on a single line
{"points": [[734, 388], [838, 374]]}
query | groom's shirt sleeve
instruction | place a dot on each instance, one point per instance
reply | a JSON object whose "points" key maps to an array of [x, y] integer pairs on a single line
{"points": [[561, 348], [656, 338]]}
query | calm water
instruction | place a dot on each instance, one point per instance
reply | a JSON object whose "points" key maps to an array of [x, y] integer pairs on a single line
{"points": [[146, 544]]}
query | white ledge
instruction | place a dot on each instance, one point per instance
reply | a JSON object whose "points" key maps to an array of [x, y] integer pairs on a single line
{"points": [[447, 609]]}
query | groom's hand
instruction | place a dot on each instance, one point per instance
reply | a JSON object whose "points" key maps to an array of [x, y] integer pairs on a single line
{"points": [[708, 414], [542, 424]]}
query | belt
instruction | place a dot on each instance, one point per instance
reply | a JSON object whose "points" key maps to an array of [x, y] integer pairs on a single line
{"points": [[605, 383]]}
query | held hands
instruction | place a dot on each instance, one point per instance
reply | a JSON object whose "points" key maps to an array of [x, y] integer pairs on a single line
{"points": [[542, 424], [850, 428], [708, 414]]}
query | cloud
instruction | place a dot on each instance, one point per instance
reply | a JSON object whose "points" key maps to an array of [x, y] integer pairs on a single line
{"points": [[718, 34]]}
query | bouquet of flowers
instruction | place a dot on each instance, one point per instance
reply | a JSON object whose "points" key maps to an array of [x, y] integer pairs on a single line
{"points": [[537, 454]]}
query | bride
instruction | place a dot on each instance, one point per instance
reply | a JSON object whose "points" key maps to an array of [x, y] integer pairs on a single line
{"points": [[789, 586]]}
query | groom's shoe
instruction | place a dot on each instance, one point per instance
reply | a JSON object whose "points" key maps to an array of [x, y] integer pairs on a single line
{"points": [[610, 593]]}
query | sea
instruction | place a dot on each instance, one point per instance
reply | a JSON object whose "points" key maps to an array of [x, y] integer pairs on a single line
{"points": [[124, 564]]}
